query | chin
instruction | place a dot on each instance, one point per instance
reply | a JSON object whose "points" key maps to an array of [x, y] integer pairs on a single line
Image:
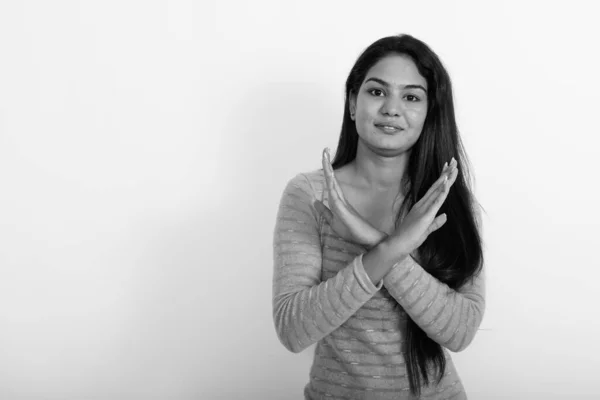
{"points": [[380, 142], [386, 150], [390, 152]]}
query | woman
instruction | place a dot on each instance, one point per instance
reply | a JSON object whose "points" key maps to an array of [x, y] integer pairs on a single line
{"points": [[378, 257]]}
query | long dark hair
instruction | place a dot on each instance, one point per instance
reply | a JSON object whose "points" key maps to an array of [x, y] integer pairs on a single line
{"points": [[453, 254]]}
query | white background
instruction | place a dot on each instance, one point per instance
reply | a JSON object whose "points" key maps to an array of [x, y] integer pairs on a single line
{"points": [[144, 146]]}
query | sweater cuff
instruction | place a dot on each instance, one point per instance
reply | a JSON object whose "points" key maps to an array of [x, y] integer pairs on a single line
{"points": [[363, 278], [400, 270]]}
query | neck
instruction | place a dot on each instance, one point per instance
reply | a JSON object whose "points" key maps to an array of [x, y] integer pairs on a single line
{"points": [[377, 172]]}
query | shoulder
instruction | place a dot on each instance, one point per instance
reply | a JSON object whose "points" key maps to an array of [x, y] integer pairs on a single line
{"points": [[297, 200], [308, 183], [314, 177]]}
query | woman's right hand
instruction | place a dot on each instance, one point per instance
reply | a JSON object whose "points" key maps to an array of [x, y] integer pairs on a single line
{"points": [[421, 220], [342, 217]]}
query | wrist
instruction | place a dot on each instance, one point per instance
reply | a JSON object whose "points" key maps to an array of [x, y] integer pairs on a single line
{"points": [[390, 250], [376, 238]]}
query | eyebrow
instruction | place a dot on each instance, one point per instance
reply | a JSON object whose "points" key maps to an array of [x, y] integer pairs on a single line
{"points": [[384, 83]]}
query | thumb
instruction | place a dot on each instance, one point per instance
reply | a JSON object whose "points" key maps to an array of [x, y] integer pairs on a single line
{"points": [[324, 211], [437, 223]]}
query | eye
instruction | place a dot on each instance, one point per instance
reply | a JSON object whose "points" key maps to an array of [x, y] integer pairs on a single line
{"points": [[412, 98], [376, 92]]}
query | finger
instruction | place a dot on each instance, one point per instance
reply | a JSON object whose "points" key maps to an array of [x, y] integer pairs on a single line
{"points": [[338, 190], [437, 223], [351, 209], [336, 203], [435, 187], [433, 191], [327, 172], [431, 194], [335, 184], [337, 200], [336, 193], [448, 184], [324, 211], [324, 162], [437, 201], [454, 176]]}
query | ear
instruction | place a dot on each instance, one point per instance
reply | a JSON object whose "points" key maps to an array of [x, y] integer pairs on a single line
{"points": [[352, 105]]}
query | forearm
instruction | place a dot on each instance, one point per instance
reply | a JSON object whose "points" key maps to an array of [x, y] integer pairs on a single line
{"points": [[449, 317], [304, 315], [380, 259]]}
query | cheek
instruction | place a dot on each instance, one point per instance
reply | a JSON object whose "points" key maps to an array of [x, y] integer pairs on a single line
{"points": [[363, 117], [416, 116], [367, 111]]}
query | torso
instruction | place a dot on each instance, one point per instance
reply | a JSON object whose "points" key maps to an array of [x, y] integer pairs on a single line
{"points": [[364, 357]]}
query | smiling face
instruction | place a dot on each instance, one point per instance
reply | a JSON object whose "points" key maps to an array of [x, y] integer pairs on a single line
{"points": [[390, 106]]}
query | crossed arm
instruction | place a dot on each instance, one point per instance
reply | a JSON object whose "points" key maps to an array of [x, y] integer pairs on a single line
{"points": [[306, 309], [449, 317]]}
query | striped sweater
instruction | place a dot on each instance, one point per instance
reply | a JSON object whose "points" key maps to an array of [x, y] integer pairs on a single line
{"points": [[322, 294]]}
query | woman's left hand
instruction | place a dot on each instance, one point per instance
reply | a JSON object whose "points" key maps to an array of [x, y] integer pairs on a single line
{"points": [[342, 217]]}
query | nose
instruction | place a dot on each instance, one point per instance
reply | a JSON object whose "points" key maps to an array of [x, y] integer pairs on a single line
{"points": [[392, 107]]}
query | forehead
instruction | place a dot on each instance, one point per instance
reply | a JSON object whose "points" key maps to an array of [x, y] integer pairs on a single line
{"points": [[397, 70]]}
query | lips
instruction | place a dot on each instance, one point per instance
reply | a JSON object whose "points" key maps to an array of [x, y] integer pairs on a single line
{"points": [[389, 128], [381, 125]]}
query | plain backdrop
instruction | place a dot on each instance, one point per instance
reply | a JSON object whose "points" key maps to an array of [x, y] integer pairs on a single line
{"points": [[144, 147]]}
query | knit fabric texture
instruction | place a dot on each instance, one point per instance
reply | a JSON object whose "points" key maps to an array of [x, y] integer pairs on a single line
{"points": [[322, 294]]}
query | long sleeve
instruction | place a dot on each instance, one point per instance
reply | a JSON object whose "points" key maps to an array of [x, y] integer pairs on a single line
{"points": [[449, 317], [306, 309]]}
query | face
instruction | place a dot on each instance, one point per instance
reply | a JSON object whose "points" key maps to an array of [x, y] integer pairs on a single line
{"points": [[390, 106]]}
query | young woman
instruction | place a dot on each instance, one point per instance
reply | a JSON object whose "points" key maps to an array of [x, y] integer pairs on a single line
{"points": [[378, 257]]}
